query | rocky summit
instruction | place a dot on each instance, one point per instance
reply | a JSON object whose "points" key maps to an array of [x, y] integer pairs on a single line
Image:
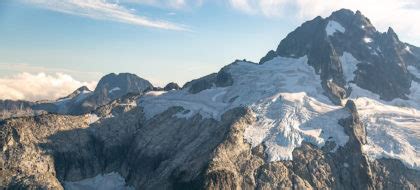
{"points": [[335, 106], [82, 100]]}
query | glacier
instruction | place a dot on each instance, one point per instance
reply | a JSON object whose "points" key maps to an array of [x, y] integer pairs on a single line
{"points": [[286, 97]]}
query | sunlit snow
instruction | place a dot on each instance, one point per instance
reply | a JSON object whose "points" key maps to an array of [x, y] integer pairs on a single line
{"points": [[287, 100], [333, 27], [285, 95], [349, 65], [367, 40], [393, 127], [407, 48]]}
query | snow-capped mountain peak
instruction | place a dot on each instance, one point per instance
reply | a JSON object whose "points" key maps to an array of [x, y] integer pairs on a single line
{"points": [[297, 92]]}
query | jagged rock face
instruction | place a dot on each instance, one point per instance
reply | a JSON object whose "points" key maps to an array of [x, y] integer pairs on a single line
{"points": [[167, 152], [236, 165], [42, 151], [113, 86], [384, 58]]}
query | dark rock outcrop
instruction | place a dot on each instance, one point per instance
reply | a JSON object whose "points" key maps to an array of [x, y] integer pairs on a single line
{"points": [[113, 86], [383, 57], [171, 86], [220, 79]]}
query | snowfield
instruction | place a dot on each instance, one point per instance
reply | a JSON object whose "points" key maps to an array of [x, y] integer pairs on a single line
{"points": [[114, 90], [393, 127], [333, 27], [349, 65], [287, 99], [285, 95]]}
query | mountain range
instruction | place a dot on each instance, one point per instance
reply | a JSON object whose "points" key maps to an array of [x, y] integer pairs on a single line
{"points": [[335, 106]]}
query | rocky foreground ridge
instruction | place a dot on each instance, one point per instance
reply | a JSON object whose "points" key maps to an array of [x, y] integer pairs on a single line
{"points": [[171, 153], [306, 117]]}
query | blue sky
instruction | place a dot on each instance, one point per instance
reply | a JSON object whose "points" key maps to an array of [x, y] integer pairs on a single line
{"points": [[163, 40], [41, 37]]}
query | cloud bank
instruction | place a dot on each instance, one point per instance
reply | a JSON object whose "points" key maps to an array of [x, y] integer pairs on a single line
{"points": [[41, 86], [104, 10]]}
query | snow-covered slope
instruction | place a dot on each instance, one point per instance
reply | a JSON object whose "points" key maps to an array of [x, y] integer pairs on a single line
{"points": [[285, 95], [287, 99], [349, 65], [393, 127], [64, 104]]}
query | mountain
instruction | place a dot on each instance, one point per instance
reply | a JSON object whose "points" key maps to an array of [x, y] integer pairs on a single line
{"points": [[344, 37], [111, 87], [336, 106], [82, 100]]}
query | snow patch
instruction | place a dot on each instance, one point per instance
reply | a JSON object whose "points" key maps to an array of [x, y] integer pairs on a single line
{"points": [[63, 103], [114, 90], [333, 27], [111, 181], [407, 48], [200, 103], [349, 65], [83, 95], [155, 93], [367, 40]]}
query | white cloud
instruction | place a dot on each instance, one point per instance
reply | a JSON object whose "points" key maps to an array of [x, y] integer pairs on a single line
{"points": [[41, 86], [103, 10], [174, 4], [12, 68], [402, 15], [243, 5]]}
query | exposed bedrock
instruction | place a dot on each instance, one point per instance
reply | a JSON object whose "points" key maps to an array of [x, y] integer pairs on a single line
{"points": [[167, 152]]}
